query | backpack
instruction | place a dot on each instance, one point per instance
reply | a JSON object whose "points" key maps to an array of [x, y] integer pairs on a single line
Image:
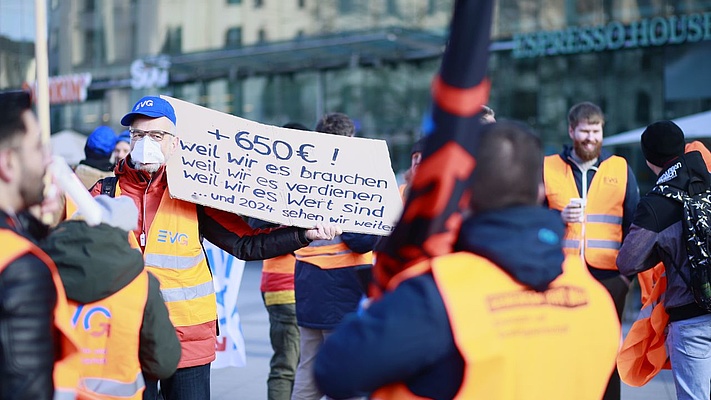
{"points": [[696, 222], [108, 186]]}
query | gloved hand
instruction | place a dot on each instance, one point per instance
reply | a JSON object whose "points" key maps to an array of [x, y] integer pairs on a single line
{"points": [[119, 212], [323, 232], [573, 212]]}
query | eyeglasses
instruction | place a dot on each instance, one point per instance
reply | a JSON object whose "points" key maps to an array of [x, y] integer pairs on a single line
{"points": [[157, 135]]}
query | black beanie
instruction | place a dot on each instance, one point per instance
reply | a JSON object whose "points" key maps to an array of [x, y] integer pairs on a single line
{"points": [[662, 141]]}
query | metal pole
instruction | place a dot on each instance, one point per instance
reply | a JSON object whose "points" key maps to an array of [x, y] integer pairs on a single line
{"points": [[42, 88]]}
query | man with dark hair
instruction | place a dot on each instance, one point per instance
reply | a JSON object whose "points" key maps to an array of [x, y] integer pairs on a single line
{"points": [[657, 234], [336, 124], [33, 309], [596, 194], [180, 266], [327, 281], [506, 316]]}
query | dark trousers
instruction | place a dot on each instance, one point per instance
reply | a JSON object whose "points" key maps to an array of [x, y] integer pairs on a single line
{"points": [[284, 337], [192, 383], [618, 289]]}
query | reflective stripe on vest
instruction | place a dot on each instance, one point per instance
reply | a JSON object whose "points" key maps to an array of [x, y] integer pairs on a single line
{"points": [[331, 254], [66, 367], [110, 365], [174, 254], [503, 330], [604, 208], [116, 389]]}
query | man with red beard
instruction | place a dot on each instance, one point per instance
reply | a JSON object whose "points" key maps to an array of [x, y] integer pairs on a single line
{"points": [[596, 194]]}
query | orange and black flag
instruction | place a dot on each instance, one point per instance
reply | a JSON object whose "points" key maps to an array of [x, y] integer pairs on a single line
{"points": [[440, 189]]}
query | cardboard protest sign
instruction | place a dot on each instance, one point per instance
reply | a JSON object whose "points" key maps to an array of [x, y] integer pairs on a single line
{"points": [[281, 175]]}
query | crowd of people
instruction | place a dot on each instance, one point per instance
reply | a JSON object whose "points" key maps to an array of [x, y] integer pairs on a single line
{"points": [[528, 305]]}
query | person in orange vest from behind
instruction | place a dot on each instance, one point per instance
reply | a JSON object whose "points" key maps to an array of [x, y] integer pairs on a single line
{"points": [[35, 336], [117, 311], [507, 316]]}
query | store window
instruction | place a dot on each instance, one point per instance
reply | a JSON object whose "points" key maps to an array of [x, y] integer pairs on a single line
{"points": [[233, 37], [346, 6]]}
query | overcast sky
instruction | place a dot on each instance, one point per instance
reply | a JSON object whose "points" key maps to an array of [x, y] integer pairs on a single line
{"points": [[17, 19]]}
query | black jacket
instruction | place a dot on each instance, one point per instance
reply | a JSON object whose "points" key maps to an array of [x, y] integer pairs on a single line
{"points": [[27, 345], [657, 235], [96, 262]]}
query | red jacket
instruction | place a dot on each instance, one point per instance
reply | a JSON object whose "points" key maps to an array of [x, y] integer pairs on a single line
{"points": [[231, 233]]}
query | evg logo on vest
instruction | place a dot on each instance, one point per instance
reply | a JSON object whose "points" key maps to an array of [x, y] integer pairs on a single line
{"points": [[165, 236]]}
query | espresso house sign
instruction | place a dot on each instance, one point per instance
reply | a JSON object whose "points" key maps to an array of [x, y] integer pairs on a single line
{"points": [[657, 31]]}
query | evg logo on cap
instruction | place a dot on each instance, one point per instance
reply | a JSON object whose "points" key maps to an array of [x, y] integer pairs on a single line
{"points": [[147, 103]]}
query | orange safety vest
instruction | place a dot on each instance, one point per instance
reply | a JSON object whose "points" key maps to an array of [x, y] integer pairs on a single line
{"points": [[70, 207], [174, 254], [332, 254], [108, 331], [521, 344], [701, 148], [66, 367], [278, 280], [599, 237], [643, 353]]}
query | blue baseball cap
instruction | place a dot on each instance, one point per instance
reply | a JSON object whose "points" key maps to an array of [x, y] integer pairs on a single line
{"points": [[150, 106], [101, 142], [125, 136]]}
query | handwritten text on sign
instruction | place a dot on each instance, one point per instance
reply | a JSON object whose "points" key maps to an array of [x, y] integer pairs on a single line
{"points": [[282, 175]]}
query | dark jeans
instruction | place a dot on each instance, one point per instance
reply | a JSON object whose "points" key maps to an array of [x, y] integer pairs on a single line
{"points": [[284, 337], [192, 383], [618, 291]]}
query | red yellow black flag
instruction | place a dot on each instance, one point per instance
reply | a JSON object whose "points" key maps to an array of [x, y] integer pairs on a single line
{"points": [[439, 191]]}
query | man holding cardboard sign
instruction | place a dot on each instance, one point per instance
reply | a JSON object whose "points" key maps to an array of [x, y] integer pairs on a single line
{"points": [[169, 234]]}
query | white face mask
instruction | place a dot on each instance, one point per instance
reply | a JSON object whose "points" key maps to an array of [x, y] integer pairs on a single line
{"points": [[147, 151]]}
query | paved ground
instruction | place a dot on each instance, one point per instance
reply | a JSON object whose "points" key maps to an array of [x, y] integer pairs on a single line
{"points": [[249, 383]]}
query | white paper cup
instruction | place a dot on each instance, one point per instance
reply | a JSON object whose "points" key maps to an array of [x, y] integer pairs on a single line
{"points": [[577, 202]]}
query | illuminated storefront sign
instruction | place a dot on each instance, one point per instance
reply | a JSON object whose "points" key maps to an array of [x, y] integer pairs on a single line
{"points": [[150, 73], [657, 31], [64, 88]]}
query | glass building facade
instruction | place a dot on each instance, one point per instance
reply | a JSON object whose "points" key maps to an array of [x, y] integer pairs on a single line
{"points": [[292, 60]]}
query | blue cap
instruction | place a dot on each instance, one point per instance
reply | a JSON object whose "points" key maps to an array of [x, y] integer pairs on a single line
{"points": [[101, 142], [150, 106], [125, 136]]}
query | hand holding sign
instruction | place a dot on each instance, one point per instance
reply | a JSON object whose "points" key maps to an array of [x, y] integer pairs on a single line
{"points": [[323, 232]]}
